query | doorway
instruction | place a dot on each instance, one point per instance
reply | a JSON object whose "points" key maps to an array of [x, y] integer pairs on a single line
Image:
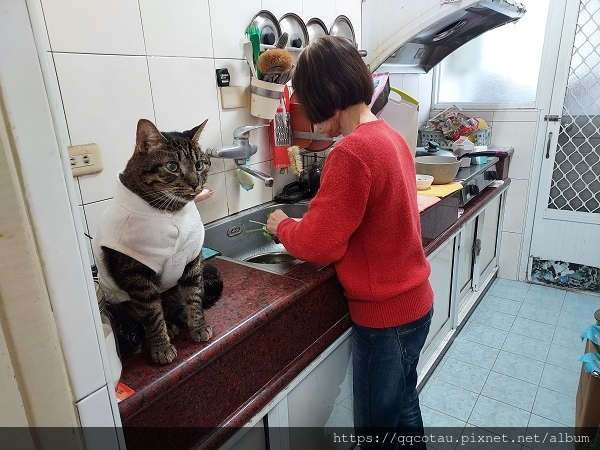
{"points": [[565, 239]]}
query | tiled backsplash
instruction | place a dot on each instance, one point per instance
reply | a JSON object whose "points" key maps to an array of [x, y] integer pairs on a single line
{"points": [[116, 62]]}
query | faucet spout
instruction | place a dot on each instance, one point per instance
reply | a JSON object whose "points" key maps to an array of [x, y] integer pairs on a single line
{"points": [[257, 174], [239, 150]]}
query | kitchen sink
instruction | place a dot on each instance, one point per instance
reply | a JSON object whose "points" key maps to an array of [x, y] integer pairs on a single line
{"points": [[233, 237]]}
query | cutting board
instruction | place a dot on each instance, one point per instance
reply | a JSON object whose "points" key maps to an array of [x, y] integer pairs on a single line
{"points": [[441, 190]]}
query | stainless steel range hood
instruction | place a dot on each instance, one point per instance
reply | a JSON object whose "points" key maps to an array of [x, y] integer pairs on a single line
{"points": [[430, 46]]}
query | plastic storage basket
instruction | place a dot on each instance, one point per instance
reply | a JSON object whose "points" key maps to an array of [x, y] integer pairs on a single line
{"points": [[482, 137], [437, 136]]}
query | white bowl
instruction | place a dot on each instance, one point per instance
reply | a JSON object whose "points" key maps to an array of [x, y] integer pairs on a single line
{"points": [[424, 181]]}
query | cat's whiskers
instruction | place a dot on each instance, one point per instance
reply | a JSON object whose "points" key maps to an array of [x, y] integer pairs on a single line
{"points": [[166, 198]]}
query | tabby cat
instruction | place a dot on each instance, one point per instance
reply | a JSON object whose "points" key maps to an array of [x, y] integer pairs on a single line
{"points": [[150, 237]]}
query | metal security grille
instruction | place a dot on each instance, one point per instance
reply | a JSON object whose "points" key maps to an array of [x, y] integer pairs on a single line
{"points": [[576, 174]]}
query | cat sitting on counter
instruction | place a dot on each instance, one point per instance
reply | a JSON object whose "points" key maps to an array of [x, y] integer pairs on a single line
{"points": [[148, 245]]}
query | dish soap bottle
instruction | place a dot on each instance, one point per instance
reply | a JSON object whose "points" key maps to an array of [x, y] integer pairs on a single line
{"points": [[314, 177]]}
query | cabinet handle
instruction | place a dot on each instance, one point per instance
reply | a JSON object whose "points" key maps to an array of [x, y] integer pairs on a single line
{"points": [[548, 145], [476, 248]]}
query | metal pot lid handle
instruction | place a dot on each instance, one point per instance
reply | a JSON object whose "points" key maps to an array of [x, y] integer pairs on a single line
{"points": [[268, 26], [294, 26]]}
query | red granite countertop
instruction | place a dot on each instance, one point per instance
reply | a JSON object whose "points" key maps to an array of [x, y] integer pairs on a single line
{"points": [[252, 300]]}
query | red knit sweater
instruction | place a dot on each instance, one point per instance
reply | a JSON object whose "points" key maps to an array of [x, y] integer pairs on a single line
{"points": [[365, 220]]}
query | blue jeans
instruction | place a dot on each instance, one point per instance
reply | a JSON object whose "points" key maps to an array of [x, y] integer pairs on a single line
{"points": [[385, 382]]}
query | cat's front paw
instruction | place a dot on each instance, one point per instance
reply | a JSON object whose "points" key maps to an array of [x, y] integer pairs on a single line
{"points": [[164, 354], [172, 330], [201, 334]]}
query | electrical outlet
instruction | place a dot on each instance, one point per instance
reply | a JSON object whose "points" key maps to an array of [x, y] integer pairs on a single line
{"points": [[85, 159]]}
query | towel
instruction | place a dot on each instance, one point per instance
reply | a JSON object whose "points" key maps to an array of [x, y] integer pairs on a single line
{"points": [[208, 253], [425, 201], [442, 190], [592, 333]]}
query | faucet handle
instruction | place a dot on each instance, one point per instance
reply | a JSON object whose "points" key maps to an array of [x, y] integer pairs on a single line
{"points": [[242, 132]]}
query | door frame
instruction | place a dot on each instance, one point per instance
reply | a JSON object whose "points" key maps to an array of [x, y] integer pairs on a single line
{"points": [[554, 72]]}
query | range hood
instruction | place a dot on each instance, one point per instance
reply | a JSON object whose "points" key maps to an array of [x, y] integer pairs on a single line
{"points": [[426, 49]]}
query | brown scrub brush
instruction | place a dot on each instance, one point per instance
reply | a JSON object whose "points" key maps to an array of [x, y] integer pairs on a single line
{"points": [[275, 65]]}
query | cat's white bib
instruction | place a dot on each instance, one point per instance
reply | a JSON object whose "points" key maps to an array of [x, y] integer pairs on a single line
{"points": [[165, 242]]}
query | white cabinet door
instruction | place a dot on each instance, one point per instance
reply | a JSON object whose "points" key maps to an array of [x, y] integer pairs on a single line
{"points": [[465, 258], [489, 238], [248, 438], [322, 402], [441, 262]]}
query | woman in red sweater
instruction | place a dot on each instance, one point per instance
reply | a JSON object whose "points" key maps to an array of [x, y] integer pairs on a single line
{"points": [[365, 220]]}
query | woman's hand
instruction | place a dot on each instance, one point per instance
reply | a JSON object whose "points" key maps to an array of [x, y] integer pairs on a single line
{"points": [[203, 195], [273, 221]]}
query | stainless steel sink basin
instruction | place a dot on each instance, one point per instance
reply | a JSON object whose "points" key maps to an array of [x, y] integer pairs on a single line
{"points": [[231, 237]]}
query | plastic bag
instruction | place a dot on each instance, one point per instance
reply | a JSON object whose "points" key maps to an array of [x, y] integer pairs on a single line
{"points": [[452, 123]]}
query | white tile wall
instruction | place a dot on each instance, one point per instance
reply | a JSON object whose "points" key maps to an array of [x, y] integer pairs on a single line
{"points": [[419, 86], [95, 413], [521, 136], [188, 102], [510, 252], [86, 230], [103, 97], [516, 128], [214, 207], [326, 11], [106, 27], [116, 63], [279, 8], [516, 206], [119, 62], [177, 30], [93, 213], [238, 198], [229, 21]]}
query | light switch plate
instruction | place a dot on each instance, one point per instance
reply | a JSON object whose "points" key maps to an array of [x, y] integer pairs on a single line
{"points": [[85, 159]]}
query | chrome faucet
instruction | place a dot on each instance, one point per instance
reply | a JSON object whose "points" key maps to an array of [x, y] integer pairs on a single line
{"points": [[241, 148], [240, 151], [258, 174]]}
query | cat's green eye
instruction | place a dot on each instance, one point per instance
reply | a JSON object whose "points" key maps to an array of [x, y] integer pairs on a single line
{"points": [[199, 165], [172, 166]]}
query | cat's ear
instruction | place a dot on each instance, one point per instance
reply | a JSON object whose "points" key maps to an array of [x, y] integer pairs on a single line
{"points": [[195, 132], [147, 136]]}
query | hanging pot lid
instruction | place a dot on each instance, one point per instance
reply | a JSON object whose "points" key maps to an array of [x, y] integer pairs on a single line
{"points": [[343, 27], [316, 28], [268, 26], [294, 26]]}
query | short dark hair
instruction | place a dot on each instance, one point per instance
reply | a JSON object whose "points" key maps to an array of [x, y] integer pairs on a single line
{"points": [[331, 75]]}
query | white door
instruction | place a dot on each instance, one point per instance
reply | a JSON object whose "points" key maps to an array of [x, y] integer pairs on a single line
{"points": [[566, 228]]}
